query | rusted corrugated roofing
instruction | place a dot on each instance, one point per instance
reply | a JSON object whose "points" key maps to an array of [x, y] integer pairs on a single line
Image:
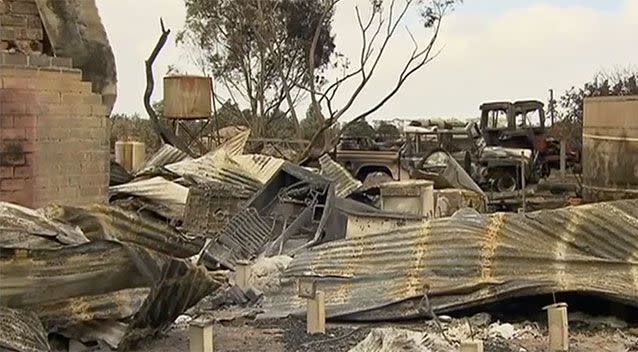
{"points": [[471, 259], [216, 166], [244, 236], [118, 174], [106, 281], [22, 331], [247, 171], [101, 222], [167, 154], [235, 145], [22, 227], [172, 196], [260, 167], [344, 182]]}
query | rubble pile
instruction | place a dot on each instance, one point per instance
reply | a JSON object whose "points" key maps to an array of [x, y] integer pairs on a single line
{"points": [[167, 246]]}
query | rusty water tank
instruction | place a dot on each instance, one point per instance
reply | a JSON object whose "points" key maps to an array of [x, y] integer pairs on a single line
{"points": [[610, 148], [187, 97]]}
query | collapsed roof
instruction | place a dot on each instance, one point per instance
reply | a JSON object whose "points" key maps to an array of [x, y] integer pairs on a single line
{"points": [[469, 260]]}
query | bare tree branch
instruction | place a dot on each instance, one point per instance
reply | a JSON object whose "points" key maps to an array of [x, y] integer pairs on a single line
{"points": [[419, 57], [165, 134]]}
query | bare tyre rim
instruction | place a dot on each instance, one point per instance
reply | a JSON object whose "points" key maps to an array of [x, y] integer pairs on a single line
{"points": [[505, 183]]}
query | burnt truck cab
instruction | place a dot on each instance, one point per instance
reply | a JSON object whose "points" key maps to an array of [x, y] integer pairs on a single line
{"points": [[514, 125]]}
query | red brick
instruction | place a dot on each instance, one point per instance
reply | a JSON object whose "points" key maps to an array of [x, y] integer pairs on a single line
{"points": [[48, 98], [30, 134], [13, 109], [6, 121], [14, 184], [29, 147], [35, 108], [6, 171], [18, 83], [12, 133], [23, 172], [30, 158], [24, 121]]}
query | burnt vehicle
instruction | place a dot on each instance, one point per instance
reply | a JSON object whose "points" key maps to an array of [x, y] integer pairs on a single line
{"points": [[367, 160], [522, 124], [509, 134]]}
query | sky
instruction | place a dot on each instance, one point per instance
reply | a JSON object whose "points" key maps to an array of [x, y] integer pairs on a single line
{"points": [[489, 50]]}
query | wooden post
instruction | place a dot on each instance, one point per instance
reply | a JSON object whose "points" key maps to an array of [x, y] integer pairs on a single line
{"points": [[523, 181], [316, 314], [316, 306], [563, 157], [201, 336], [558, 327], [472, 346], [242, 274]]}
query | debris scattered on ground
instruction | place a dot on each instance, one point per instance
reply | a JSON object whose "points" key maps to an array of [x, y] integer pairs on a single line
{"points": [[392, 339], [158, 257]]}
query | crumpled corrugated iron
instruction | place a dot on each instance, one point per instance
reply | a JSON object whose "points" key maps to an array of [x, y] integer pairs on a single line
{"points": [[120, 292], [243, 237], [22, 331], [216, 166], [167, 154], [472, 259], [344, 182], [170, 197], [118, 174], [22, 227], [101, 222], [294, 199]]}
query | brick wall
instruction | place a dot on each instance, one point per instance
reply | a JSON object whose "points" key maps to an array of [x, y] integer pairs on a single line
{"points": [[20, 26], [53, 133]]}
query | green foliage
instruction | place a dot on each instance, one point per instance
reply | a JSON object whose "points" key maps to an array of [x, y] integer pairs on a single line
{"points": [[617, 82], [621, 82], [135, 128], [259, 49], [360, 128], [388, 131]]}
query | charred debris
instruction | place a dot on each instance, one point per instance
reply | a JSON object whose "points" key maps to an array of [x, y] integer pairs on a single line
{"points": [[175, 231]]}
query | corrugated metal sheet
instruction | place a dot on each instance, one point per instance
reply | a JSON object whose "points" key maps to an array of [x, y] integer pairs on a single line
{"points": [[344, 182], [260, 167], [118, 174], [244, 236], [471, 259], [235, 145], [170, 195], [22, 227], [22, 331], [166, 155], [100, 222], [105, 276], [216, 166]]}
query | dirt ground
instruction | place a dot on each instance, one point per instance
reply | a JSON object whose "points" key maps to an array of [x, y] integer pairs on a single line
{"points": [[289, 335]]}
